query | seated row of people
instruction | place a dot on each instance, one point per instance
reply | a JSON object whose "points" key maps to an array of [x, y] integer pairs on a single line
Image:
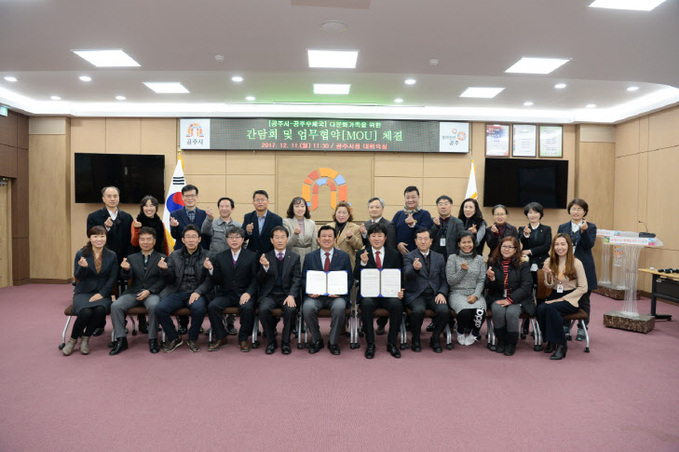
{"points": [[188, 277]]}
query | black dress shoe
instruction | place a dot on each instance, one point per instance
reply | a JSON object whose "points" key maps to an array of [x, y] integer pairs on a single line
{"points": [[98, 332], [271, 348], [230, 328], [334, 349], [143, 325], [551, 347], [416, 347], [560, 352], [153, 346], [315, 347], [120, 345], [285, 348], [370, 351], [393, 350], [435, 345], [430, 327]]}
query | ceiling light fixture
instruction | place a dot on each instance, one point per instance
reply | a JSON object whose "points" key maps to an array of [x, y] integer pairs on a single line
{"points": [[336, 59], [528, 65], [590, 106], [331, 88], [633, 5], [10, 78], [55, 97], [121, 98], [631, 89], [560, 86], [250, 98], [398, 100], [410, 81], [333, 26], [166, 87], [236, 79], [107, 58], [481, 93], [528, 103], [85, 78]]}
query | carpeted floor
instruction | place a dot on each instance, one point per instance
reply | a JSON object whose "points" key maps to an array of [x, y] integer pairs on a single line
{"points": [[621, 396]]}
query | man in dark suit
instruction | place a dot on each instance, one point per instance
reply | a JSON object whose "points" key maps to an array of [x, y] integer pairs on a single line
{"points": [[279, 278], [189, 214], [235, 270], [326, 259], [376, 255], [259, 223], [147, 282], [118, 226], [426, 288]]}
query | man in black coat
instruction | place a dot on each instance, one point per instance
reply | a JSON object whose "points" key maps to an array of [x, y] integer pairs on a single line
{"points": [[378, 256], [279, 278], [259, 223], [235, 271], [147, 282]]}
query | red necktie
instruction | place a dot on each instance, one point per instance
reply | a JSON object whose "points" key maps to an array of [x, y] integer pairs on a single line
{"points": [[326, 266], [378, 261]]}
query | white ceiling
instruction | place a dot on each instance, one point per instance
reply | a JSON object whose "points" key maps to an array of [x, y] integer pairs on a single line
{"points": [[265, 41]]}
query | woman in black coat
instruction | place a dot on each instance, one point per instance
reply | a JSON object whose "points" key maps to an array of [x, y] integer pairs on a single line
{"points": [[500, 228], [509, 285], [96, 269]]}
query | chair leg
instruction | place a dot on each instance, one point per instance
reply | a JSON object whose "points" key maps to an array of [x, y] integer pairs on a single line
{"points": [[134, 325], [300, 345], [586, 330], [537, 345], [63, 333], [449, 338]]}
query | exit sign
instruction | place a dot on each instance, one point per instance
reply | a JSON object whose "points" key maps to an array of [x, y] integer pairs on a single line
{"points": [[3, 110]]}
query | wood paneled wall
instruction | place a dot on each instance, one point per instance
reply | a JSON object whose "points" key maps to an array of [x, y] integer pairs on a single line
{"points": [[646, 163], [14, 165]]}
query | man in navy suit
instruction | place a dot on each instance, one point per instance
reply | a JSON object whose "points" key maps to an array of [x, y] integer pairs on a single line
{"points": [[426, 288], [377, 255], [259, 223], [279, 279], [235, 270], [189, 214], [326, 259]]}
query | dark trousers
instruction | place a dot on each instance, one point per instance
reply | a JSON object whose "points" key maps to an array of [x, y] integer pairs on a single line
{"points": [[266, 306], [395, 308], [246, 311], [179, 300], [470, 320], [418, 306], [550, 319], [88, 320]]}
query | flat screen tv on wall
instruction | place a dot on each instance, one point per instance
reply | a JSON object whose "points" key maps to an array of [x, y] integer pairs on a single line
{"points": [[135, 175], [516, 182]]}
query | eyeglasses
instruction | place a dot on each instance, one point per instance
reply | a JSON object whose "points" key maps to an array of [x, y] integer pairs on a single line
{"points": [[508, 247], [260, 200], [499, 214]]}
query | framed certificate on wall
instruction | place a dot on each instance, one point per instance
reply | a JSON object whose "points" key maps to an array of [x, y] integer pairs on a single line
{"points": [[524, 140], [497, 140], [551, 141]]}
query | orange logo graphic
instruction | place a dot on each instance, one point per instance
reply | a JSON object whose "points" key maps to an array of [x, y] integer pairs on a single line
{"points": [[196, 129], [320, 177]]}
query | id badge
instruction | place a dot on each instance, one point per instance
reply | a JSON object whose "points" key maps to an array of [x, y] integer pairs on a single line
{"points": [[442, 242], [559, 288], [534, 267], [504, 294]]}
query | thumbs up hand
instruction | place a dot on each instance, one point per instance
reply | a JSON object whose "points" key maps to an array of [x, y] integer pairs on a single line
{"points": [[464, 265], [364, 257], [108, 223], [208, 265], [490, 273], [173, 222], [264, 261], [250, 227], [124, 264], [83, 262], [417, 264], [162, 264]]}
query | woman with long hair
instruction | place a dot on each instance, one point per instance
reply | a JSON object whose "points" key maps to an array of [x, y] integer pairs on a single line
{"points": [[471, 216], [96, 270], [347, 235], [301, 228], [148, 216], [510, 293], [565, 275]]}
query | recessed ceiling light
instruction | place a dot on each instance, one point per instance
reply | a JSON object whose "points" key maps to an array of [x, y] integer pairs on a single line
{"points": [[236, 79], [250, 98], [107, 58], [398, 100], [333, 26], [528, 103], [85, 78], [410, 81], [560, 86], [339, 59], [331, 88], [121, 98], [167, 87], [528, 65], [590, 106], [55, 97], [10, 78], [433, 62], [632, 88], [482, 93], [635, 5]]}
